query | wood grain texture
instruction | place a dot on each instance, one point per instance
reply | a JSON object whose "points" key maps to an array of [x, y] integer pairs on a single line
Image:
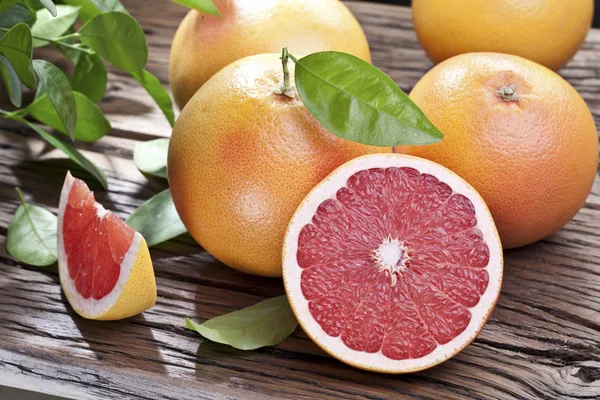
{"points": [[542, 341]]}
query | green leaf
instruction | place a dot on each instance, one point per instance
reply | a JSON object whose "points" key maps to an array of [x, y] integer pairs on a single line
{"points": [[54, 82], [118, 38], [265, 324], [49, 6], [89, 77], [356, 101], [72, 153], [11, 81], [32, 235], [92, 8], [157, 91], [16, 47], [6, 4], [91, 122], [157, 219], [15, 14], [51, 27], [150, 157], [205, 6]]}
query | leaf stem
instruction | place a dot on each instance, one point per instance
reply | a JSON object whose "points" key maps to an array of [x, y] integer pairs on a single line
{"points": [[285, 88], [60, 42]]}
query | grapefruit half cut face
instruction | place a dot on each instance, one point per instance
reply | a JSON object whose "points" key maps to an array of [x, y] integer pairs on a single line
{"points": [[392, 263], [104, 265]]}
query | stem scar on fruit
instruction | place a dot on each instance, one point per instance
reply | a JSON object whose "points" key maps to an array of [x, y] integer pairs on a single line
{"points": [[508, 93], [285, 87]]}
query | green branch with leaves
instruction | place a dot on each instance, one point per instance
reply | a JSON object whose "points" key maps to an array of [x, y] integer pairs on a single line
{"points": [[67, 104]]}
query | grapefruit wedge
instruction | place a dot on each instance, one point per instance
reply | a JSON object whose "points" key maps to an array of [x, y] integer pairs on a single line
{"points": [[392, 263], [104, 266]]}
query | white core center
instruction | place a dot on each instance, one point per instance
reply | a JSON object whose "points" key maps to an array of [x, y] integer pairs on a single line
{"points": [[100, 211], [390, 253]]}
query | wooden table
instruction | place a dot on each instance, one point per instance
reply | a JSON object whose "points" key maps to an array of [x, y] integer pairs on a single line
{"points": [[542, 341]]}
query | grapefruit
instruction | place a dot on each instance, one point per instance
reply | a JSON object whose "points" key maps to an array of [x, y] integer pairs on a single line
{"points": [[546, 31], [242, 157], [516, 131], [203, 44], [104, 266], [392, 263]]}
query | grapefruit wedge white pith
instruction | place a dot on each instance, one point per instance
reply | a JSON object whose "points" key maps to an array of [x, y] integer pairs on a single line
{"points": [[392, 263], [104, 265]]}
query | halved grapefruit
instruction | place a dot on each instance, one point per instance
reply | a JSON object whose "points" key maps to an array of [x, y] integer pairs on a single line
{"points": [[392, 263], [104, 266]]}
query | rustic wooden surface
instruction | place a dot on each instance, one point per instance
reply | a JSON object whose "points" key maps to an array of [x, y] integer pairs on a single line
{"points": [[542, 341]]}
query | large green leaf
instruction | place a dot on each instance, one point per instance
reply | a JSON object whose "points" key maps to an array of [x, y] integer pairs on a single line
{"points": [[118, 38], [265, 324], [72, 153], [205, 6], [89, 77], [91, 122], [151, 157], [157, 219], [51, 27], [92, 8], [32, 235], [356, 101], [15, 14], [11, 81], [6, 4], [54, 82], [16, 46], [157, 91], [49, 4]]}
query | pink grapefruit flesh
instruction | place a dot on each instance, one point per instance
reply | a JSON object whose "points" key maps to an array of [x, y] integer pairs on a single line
{"points": [[392, 263], [100, 257]]}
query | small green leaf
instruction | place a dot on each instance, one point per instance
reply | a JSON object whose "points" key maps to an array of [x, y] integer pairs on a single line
{"points": [[151, 157], [53, 27], [73, 154], [15, 14], [31, 236], [157, 91], [157, 219], [11, 81], [54, 82], [92, 8], [265, 324], [118, 38], [49, 6], [91, 122], [89, 77], [205, 6], [356, 101], [16, 47], [6, 4]]}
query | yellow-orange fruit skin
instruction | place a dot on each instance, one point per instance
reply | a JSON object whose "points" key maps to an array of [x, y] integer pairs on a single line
{"points": [[533, 160], [241, 159], [203, 44], [546, 31]]}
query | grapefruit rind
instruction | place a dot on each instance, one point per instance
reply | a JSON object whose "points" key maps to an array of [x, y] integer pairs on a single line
{"points": [[135, 290], [377, 362]]}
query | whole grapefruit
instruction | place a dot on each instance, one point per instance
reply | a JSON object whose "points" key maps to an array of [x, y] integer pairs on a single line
{"points": [[241, 159], [205, 43], [546, 31], [516, 131]]}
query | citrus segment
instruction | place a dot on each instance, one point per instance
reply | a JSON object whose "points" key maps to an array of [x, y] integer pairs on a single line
{"points": [[392, 263], [101, 259]]}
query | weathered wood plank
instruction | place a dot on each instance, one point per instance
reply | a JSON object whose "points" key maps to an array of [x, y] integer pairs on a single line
{"points": [[542, 341]]}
